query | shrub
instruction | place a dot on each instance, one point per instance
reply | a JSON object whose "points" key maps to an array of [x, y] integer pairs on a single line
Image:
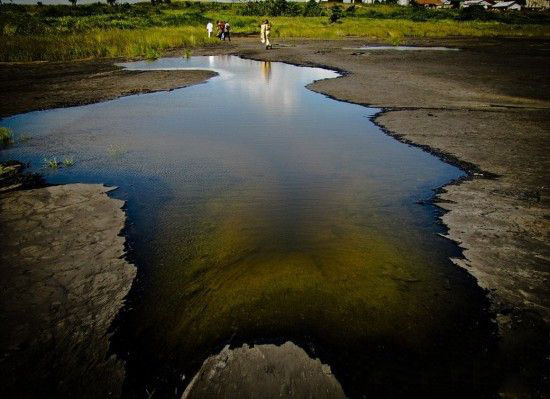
{"points": [[312, 9], [474, 13], [335, 14], [273, 8], [350, 11]]}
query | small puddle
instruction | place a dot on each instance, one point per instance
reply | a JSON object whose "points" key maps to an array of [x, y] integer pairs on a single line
{"points": [[261, 212], [402, 48]]}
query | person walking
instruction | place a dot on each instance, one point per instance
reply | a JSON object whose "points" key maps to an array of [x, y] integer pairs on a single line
{"points": [[226, 30], [220, 25], [209, 28], [265, 30]]}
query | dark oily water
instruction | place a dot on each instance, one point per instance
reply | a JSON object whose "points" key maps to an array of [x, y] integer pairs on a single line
{"points": [[261, 212]]}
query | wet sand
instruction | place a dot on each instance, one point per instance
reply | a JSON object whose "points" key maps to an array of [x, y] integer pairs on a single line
{"points": [[42, 85], [263, 371], [63, 282]]}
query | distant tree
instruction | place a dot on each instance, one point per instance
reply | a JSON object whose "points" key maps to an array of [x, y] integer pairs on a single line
{"points": [[38, 3], [335, 14], [73, 2], [312, 9], [111, 2]]}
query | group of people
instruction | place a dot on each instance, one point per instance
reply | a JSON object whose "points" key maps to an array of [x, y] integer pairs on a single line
{"points": [[223, 31]]}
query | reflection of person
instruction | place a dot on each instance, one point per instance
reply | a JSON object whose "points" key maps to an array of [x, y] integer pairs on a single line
{"points": [[226, 30], [265, 30], [266, 70], [209, 28]]}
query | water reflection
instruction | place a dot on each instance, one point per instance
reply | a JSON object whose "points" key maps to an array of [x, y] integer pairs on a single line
{"points": [[266, 70], [262, 211]]}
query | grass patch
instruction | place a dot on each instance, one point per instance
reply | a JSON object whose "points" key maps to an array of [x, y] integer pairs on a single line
{"points": [[63, 32], [51, 163], [68, 162], [6, 136], [6, 170]]}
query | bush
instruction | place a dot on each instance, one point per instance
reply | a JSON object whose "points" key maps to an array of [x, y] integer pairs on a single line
{"points": [[312, 9], [335, 14], [272, 8], [474, 13]]}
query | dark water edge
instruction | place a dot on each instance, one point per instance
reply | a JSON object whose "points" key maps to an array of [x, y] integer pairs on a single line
{"points": [[470, 368]]}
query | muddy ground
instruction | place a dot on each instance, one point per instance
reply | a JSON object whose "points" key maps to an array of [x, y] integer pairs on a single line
{"points": [[485, 108], [63, 281], [264, 371], [41, 85]]}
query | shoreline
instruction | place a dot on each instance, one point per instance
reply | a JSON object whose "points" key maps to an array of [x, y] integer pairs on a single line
{"points": [[64, 280]]}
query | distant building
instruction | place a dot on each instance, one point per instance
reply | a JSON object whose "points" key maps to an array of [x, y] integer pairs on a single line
{"points": [[430, 3], [537, 3], [506, 5], [483, 3], [351, 1]]}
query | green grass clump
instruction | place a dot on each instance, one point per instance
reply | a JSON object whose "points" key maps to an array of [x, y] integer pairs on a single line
{"points": [[51, 163], [5, 170], [6, 136], [68, 161]]}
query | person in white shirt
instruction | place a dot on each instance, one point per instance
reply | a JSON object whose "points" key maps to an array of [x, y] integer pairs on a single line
{"points": [[226, 33], [209, 28], [265, 30]]}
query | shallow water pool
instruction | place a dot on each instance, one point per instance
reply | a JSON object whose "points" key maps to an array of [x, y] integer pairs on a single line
{"points": [[261, 212]]}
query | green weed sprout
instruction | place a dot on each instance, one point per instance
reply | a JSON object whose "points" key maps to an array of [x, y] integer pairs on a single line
{"points": [[6, 136], [51, 163]]}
